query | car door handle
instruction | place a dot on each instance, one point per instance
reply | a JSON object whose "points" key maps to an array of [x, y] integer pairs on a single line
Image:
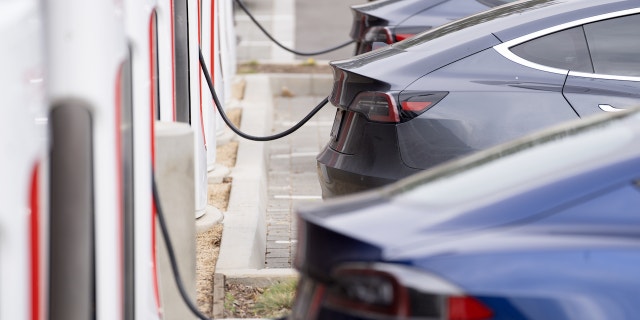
{"points": [[609, 108]]}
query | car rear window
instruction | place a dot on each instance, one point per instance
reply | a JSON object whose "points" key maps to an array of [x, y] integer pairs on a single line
{"points": [[615, 45], [566, 49]]}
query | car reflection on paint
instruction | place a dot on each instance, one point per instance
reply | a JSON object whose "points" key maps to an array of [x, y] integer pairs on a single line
{"points": [[545, 227], [388, 21], [475, 83]]}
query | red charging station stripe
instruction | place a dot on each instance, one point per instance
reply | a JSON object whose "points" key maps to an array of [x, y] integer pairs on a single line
{"points": [[204, 136], [152, 57], [34, 228]]}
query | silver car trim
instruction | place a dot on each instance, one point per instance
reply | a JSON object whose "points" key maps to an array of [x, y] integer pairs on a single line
{"points": [[603, 76], [504, 47], [609, 108]]}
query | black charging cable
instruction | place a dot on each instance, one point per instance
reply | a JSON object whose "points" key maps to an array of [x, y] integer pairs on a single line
{"points": [[172, 256], [244, 8], [242, 134], [171, 252]]}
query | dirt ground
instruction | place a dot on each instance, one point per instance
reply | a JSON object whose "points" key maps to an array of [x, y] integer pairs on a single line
{"points": [[208, 243], [308, 66]]}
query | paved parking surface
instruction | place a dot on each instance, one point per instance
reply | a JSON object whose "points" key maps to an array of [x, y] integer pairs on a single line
{"points": [[305, 25], [292, 173]]}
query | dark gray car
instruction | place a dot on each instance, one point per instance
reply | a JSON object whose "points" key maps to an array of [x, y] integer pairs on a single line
{"points": [[389, 21], [477, 82]]}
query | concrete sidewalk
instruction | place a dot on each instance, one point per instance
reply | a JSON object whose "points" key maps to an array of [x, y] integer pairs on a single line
{"points": [[270, 179]]}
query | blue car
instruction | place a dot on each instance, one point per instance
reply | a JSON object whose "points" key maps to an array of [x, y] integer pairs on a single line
{"points": [[545, 227]]}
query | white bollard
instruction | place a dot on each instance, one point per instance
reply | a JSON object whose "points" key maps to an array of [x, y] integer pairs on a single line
{"points": [[175, 183]]}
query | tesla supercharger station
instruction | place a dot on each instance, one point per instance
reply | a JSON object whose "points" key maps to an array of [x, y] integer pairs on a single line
{"points": [[87, 61], [227, 45], [197, 120], [186, 95], [145, 25], [219, 54], [226, 42], [23, 169], [210, 49]]}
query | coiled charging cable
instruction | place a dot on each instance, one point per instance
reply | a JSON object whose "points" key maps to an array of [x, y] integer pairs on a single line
{"points": [[172, 256], [160, 213], [156, 198], [171, 253], [244, 8], [242, 134]]}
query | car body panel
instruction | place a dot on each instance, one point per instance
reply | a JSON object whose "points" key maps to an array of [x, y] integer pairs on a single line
{"points": [[492, 95], [405, 18], [588, 95], [443, 13], [449, 206], [555, 237], [481, 110], [409, 65]]}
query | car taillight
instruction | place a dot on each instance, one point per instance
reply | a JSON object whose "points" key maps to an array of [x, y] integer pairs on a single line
{"points": [[379, 34], [467, 308], [382, 107], [414, 103], [388, 291], [402, 36], [376, 106]]}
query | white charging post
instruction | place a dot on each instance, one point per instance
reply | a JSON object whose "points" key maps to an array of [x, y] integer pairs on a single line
{"points": [[86, 56], [148, 31], [23, 165]]}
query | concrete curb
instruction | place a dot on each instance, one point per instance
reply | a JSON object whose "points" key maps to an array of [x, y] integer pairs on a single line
{"points": [[243, 246], [243, 241]]}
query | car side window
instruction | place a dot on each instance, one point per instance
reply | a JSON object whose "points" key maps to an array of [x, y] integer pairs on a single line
{"points": [[615, 45], [566, 49]]}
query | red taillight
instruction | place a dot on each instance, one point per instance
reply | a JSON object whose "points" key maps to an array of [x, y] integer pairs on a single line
{"points": [[376, 106], [381, 106], [414, 103], [467, 308], [415, 106], [402, 36]]}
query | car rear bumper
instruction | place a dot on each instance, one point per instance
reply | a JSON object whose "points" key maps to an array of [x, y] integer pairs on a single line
{"points": [[341, 174]]}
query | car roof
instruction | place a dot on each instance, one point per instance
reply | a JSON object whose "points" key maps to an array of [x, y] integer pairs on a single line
{"points": [[514, 20], [394, 11], [428, 51]]}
